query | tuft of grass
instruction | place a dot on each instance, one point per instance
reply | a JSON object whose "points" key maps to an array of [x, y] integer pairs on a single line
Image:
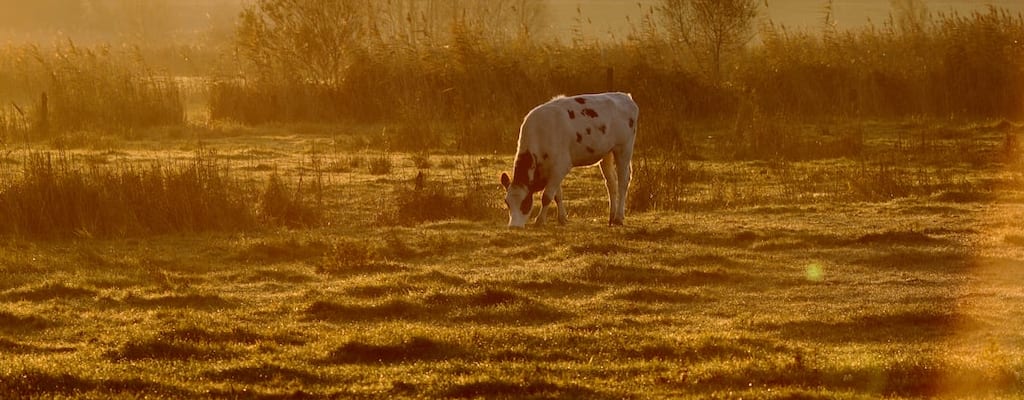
{"points": [[380, 165], [56, 196], [425, 199], [660, 183], [278, 205], [350, 257]]}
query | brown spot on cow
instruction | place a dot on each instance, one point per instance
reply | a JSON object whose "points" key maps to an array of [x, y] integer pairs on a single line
{"points": [[521, 173], [589, 112], [581, 100], [545, 156], [579, 138], [590, 149], [572, 115], [631, 122], [603, 129], [588, 131]]}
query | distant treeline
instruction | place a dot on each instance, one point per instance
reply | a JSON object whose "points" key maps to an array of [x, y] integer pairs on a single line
{"points": [[465, 78]]}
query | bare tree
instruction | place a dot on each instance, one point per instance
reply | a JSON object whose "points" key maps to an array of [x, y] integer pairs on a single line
{"points": [[710, 29], [300, 39]]}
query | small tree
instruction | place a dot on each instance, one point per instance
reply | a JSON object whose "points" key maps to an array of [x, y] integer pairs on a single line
{"points": [[300, 39], [710, 29]]}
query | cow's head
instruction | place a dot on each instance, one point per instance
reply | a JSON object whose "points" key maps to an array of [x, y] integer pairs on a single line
{"points": [[519, 201]]}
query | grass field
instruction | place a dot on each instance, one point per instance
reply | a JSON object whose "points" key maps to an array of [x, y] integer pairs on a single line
{"points": [[895, 273]]}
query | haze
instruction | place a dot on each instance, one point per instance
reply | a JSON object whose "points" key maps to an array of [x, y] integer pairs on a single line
{"points": [[194, 21]]}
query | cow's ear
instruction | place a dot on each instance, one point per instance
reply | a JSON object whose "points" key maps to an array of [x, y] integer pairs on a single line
{"points": [[505, 181]]}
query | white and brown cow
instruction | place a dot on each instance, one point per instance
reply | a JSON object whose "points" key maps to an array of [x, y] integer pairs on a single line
{"points": [[569, 132]]}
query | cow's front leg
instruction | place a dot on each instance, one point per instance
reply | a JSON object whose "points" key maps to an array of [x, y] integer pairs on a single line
{"points": [[551, 191], [545, 200], [563, 215]]}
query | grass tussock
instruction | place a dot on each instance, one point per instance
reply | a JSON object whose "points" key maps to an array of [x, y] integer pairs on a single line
{"points": [[55, 195], [279, 205], [427, 199]]}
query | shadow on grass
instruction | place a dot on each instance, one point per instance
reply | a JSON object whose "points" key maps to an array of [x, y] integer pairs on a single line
{"points": [[10, 322], [270, 251], [555, 287], [706, 348], [947, 261], [46, 292], [32, 384], [533, 389], [193, 343], [913, 376], [394, 309], [265, 374], [8, 346], [416, 348], [653, 295], [903, 326], [192, 301], [482, 305], [275, 275], [160, 349], [604, 249], [614, 273], [899, 237], [236, 335]]}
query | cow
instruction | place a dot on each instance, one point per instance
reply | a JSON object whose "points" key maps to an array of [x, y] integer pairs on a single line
{"points": [[569, 132]]}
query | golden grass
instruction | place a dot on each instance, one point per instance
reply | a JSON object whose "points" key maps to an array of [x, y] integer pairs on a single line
{"points": [[759, 279]]}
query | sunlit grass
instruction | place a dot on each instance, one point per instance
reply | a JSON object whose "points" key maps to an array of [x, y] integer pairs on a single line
{"points": [[759, 278]]}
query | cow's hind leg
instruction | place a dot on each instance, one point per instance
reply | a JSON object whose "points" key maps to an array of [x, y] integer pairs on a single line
{"points": [[611, 182], [624, 170]]}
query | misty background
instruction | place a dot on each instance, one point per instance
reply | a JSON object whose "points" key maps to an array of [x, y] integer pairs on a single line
{"points": [[211, 22]]}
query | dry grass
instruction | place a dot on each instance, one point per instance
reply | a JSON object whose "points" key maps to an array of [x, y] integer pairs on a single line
{"points": [[778, 278], [57, 195]]}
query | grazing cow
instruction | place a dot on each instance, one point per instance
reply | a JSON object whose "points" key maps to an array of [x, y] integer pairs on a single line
{"points": [[569, 132]]}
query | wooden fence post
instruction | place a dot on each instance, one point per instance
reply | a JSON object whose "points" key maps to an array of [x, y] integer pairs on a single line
{"points": [[43, 124]]}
